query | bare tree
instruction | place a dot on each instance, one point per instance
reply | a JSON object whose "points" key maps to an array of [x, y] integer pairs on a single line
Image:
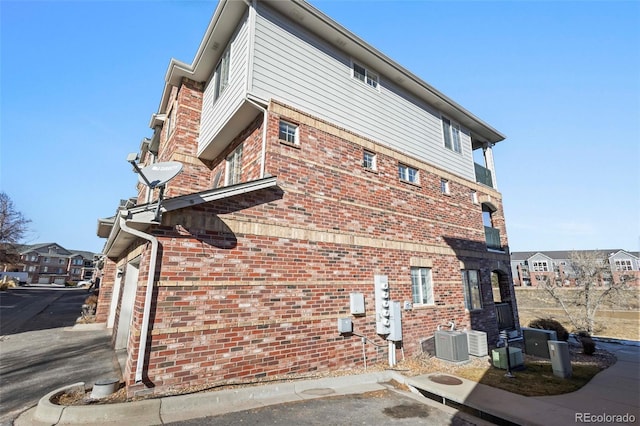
{"points": [[13, 227], [594, 284]]}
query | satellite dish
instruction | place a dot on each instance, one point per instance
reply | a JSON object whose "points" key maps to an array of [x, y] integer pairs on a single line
{"points": [[159, 174]]}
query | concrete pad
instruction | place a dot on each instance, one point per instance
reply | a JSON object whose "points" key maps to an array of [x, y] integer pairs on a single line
{"points": [[145, 412], [495, 402], [203, 404]]}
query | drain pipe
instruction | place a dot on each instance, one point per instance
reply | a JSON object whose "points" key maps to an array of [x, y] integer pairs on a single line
{"points": [[263, 154], [147, 300]]}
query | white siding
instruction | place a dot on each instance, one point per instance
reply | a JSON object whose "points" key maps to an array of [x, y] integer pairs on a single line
{"points": [[299, 69], [216, 114]]}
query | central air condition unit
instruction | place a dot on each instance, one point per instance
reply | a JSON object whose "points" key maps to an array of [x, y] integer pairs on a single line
{"points": [[535, 341], [477, 342], [452, 346]]}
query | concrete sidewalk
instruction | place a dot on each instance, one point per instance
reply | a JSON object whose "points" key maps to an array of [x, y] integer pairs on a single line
{"points": [[611, 397], [613, 392]]}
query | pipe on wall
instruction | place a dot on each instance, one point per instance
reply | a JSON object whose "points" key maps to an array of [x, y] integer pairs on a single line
{"points": [[147, 300]]}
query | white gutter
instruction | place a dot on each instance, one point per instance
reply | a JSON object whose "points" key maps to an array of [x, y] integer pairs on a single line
{"points": [[147, 300], [263, 154]]}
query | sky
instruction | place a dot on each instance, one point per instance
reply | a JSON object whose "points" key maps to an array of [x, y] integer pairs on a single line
{"points": [[79, 81]]}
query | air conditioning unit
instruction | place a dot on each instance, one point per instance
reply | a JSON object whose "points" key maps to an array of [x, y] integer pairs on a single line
{"points": [[477, 342], [535, 341], [452, 346]]}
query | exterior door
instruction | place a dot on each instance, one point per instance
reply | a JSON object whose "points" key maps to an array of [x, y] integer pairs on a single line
{"points": [[126, 306]]}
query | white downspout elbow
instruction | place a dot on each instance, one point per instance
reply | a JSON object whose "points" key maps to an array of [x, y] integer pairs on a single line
{"points": [[147, 300]]}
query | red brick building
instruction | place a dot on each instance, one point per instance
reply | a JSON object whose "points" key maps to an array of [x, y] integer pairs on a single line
{"points": [[292, 202]]}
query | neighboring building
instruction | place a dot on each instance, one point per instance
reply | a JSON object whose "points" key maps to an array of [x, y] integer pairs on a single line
{"points": [[530, 267], [314, 167], [50, 263]]}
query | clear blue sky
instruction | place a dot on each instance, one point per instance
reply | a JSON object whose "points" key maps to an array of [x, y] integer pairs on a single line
{"points": [[80, 80]]}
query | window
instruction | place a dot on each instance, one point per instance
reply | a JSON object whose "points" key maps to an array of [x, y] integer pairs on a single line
{"points": [[45, 269], [222, 74], [31, 268], [421, 286], [234, 166], [408, 174], [369, 160], [171, 121], [288, 132], [472, 295], [75, 271], [364, 75], [46, 260], [61, 261], [623, 265], [444, 186], [451, 132], [541, 266]]}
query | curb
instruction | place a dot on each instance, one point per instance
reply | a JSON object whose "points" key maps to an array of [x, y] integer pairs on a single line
{"points": [[202, 404]]}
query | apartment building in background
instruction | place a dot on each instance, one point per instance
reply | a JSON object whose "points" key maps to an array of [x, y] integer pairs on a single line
{"points": [[533, 268], [50, 263], [315, 171]]}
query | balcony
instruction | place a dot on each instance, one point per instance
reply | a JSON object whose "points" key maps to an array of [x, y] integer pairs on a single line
{"points": [[492, 235], [483, 175]]}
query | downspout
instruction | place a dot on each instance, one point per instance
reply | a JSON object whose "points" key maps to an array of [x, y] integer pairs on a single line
{"points": [[263, 154], [147, 300], [252, 19]]}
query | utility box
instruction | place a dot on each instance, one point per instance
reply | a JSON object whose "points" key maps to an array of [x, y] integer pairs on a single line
{"points": [[560, 359], [395, 330], [499, 358], [535, 341], [356, 303], [345, 325]]}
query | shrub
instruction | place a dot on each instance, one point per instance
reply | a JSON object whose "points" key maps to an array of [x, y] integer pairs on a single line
{"points": [[91, 300], [588, 345], [551, 324]]}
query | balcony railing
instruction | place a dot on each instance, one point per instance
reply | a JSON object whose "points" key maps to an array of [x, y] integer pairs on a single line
{"points": [[492, 235], [483, 175]]}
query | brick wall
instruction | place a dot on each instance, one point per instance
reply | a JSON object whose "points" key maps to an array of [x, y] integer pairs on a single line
{"points": [[252, 286]]}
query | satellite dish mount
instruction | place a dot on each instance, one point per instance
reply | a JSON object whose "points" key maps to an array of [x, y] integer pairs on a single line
{"points": [[156, 176]]}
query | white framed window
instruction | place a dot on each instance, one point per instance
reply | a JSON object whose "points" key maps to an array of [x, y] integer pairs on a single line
{"points": [[541, 266], [45, 269], [623, 265], [369, 160], [472, 294], [422, 286], [364, 75], [221, 76], [234, 167], [31, 268], [451, 133], [288, 132], [408, 174], [444, 186]]}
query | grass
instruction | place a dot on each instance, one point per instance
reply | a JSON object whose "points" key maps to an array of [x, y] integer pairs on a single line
{"points": [[537, 379]]}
